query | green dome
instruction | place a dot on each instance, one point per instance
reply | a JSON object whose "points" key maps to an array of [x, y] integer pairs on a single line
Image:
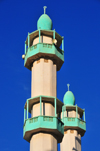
{"points": [[69, 98], [44, 22]]}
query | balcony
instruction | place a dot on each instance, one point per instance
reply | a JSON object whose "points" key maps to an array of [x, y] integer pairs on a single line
{"points": [[47, 124], [75, 123], [44, 50]]}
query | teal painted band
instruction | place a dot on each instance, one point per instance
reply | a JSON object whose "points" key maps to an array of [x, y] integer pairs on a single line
{"points": [[43, 48], [63, 43], [27, 109], [40, 105], [25, 47], [46, 123], [50, 31], [54, 34], [84, 115], [74, 122]]}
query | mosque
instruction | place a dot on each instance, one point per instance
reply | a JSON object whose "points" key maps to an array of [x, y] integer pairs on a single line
{"points": [[51, 121]]}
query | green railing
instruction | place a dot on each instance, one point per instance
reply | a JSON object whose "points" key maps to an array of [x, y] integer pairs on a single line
{"points": [[45, 45], [45, 122], [74, 122]]}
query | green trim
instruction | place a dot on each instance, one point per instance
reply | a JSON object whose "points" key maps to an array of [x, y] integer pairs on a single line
{"points": [[45, 96], [50, 99], [46, 31], [54, 34], [25, 47], [63, 43], [45, 123], [50, 50], [84, 115], [74, 122], [71, 122]]}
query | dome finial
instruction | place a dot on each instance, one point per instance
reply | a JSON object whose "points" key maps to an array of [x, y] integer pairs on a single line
{"points": [[68, 86], [45, 9]]}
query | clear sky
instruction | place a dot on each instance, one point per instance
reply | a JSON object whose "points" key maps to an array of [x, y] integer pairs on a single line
{"points": [[79, 22]]}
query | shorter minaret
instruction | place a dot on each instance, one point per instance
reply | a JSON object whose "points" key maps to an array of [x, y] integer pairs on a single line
{"points": [[73, 118]]}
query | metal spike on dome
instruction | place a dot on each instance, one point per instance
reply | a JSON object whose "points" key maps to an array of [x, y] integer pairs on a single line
{"points": [[45, 9], [68, 86]]}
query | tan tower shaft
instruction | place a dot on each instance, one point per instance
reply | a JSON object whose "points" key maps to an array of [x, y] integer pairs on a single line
{"points": [[43, 78], [71, 141], [43, 83]]}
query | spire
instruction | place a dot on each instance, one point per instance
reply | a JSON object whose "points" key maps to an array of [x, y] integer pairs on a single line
{"points": [[45, 9], [68, 86]]}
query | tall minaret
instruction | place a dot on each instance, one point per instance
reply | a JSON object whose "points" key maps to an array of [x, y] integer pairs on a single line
{"points": [[74, 123], [44, 58]]}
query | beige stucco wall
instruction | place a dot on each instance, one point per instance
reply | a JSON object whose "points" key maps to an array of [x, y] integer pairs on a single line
{"points": [[43, 142], [47, 109], [43, 78], [71, 141], [43, 83], [43, 39]]}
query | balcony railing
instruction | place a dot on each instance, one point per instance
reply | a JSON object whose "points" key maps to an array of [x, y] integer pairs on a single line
{"points": [[74, 122], [44, 122], [44, 45]]}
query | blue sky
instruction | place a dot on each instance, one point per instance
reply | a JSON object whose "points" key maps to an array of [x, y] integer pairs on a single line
{"points": [[79, 23]]}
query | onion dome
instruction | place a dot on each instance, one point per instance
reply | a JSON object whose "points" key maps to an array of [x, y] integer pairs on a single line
{"points": [[44, 22], [69, 98]]}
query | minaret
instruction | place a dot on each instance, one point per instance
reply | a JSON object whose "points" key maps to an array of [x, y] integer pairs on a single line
{"points": [[44, 57], [73, 118]]}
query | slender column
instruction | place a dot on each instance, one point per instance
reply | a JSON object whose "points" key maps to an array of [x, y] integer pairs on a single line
{"points": [[40, 105], [24, 115], [28, 40], [84, 115], [25, 47], [27, 109], [63, 43], [76, 112], [39, 36], [54, 34], [55, 107]]}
